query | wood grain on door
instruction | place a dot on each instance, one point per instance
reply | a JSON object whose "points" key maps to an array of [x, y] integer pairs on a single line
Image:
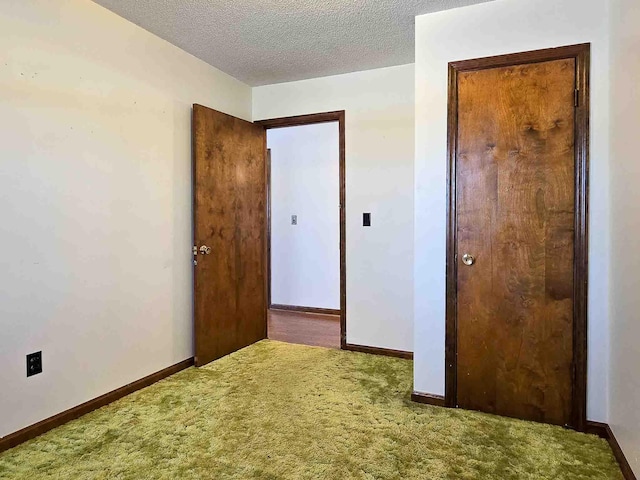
{"points": [[515, 209], [230, 218]]}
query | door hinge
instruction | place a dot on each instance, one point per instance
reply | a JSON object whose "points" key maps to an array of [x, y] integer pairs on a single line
{"points": [[576, 98]]}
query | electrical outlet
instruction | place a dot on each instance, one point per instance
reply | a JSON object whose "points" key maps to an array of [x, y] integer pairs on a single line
{"points": [[294, 219], [34, 363]]}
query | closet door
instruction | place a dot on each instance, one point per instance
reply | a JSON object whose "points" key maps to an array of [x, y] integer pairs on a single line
{"points": [[515, 240]]}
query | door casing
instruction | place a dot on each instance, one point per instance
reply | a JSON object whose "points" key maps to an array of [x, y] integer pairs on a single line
{"points": [[337, 116], [581, 54]]}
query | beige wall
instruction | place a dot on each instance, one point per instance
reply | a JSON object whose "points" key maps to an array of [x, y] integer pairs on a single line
{"points": [[95, 192], [624, 393], [305, 181], [379, 108], [95, 201]]}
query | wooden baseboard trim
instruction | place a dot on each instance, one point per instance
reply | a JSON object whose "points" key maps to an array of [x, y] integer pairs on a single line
{"points": [[627, 473], [378, 351], [50, 423], [428, 398], [295, 308], [603, 430], [597, 428]]}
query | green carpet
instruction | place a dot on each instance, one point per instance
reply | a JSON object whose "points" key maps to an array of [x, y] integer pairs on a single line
{"points": [[281, 411]]}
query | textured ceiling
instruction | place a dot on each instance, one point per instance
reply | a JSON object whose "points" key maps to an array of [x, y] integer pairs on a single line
{"points": [[271, 41]]}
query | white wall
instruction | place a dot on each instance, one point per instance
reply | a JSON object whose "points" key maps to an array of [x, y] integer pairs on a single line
{"points": [[493, 28], [305, 174], [624, 396], [379, 108], [95, 201]]}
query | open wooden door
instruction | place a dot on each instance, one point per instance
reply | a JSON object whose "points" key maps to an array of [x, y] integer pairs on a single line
{"points": [[229, 233]]}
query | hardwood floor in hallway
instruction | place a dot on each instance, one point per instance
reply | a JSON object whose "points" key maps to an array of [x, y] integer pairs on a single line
{"points": [[304, 328]]}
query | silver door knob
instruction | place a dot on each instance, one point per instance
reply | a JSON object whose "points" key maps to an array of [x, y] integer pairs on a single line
{"points": [[468, 259], [204, 250]]}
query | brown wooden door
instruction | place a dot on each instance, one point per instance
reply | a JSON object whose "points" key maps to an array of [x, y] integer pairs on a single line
{"points": [[515, 212], [229, 218]]}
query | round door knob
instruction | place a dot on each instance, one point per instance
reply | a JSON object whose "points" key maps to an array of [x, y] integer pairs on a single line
{"points": [[468, 260], [204, 250]]}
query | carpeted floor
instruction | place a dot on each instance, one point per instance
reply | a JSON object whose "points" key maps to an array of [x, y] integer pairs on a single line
{"points": [[281, 411]]}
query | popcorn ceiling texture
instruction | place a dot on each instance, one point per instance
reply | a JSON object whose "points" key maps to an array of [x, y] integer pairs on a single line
{"points": [[261, 42]]}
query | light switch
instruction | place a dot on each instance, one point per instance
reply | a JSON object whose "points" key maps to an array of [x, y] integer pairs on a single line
{"points": [[366, 219], [294, 219]]}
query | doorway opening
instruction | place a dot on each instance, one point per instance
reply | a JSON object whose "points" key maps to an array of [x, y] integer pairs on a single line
{"points": [[306, 275]]}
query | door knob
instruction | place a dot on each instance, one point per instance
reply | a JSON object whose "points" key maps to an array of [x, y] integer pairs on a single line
{"points": [[468, 260], [204, 250]]}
